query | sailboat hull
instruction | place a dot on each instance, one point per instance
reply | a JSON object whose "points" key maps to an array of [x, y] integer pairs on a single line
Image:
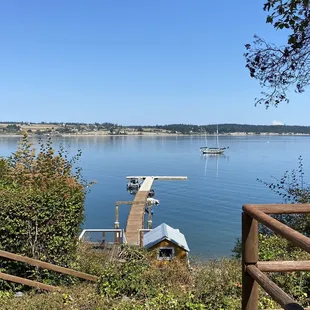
{"points": [[208, 150]]}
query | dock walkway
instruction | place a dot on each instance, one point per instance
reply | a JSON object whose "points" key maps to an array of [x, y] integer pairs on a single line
{"points": [[135, 220]]}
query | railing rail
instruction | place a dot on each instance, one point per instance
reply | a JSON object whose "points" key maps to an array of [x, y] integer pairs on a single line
{"points": [[41, 264], [118, 232], [252, 269]]}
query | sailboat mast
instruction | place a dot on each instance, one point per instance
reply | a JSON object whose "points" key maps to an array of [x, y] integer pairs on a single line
{"points": [[217, 136]]}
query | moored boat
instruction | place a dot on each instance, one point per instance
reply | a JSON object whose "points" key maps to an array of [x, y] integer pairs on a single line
{"points": [[134, 184], [213, 150]]}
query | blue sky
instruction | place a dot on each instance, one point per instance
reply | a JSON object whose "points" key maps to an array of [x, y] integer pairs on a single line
{"points": [[134, 62]]}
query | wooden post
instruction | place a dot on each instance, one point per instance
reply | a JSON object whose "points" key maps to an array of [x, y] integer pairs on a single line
{"points": [[249, 257], [116, 213], [149, 220], [103, 238], [116, 225], [141, 239]]}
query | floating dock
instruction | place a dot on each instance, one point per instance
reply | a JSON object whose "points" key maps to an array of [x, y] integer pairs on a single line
{"points": [[135, 220]]}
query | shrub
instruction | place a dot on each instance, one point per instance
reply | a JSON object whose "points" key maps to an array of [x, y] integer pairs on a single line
{"points": [[137, 282], [295, 284], [42, 207], [218, 284], [292, 188], [143, 284], [142, 278]]}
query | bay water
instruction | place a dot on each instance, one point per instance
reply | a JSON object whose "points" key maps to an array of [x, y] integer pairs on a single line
{"points": [[207, 207]]}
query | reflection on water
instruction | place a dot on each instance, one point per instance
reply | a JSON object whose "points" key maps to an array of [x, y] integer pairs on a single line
{"points": [[211, 158]]}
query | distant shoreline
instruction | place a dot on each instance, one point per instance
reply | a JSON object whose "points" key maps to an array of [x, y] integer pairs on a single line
{"points": [[150, 134]]}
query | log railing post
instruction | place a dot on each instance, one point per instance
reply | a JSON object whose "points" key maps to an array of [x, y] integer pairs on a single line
{"points": [[249, 257], [116, 225], [141, 239]]}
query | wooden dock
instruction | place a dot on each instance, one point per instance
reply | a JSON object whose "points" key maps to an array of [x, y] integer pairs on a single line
{"points": [[135, 220]]}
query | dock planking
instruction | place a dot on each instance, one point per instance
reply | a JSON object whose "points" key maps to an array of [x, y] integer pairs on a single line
{"points": [[135, 219]]}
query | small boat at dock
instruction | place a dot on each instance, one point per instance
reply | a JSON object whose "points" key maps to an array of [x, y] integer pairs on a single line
{"points": [[152, 201], [134, 184]]}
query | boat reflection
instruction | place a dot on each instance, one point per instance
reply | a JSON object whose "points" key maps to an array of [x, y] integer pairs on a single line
{"points": [[211, 159]]}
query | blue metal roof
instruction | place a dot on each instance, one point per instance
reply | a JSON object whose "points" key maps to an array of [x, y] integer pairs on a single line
{"points": [[163, 232]]}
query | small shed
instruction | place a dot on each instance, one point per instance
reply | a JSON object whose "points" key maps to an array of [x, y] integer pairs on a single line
{"points": [[168, 242]]}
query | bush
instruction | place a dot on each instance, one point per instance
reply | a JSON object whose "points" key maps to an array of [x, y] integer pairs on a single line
{"points": [[137, 282], [81, 296], [42, 208], [142, 284], [218, 284], [90, 260], [292, 188], [295, 284]]}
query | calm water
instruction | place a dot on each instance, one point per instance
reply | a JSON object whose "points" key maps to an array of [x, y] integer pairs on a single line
{"points": [[207, 207]]}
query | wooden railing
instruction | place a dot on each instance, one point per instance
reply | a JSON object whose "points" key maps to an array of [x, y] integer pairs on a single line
{"points": [[141, 233], [119, 234], [44, 265], [252, 269]]}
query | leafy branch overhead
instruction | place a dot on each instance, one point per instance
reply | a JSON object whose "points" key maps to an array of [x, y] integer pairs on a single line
{"points": [[279, 68]]}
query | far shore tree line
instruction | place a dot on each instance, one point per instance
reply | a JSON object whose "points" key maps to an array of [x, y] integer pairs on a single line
{"points": [[115, 129]]}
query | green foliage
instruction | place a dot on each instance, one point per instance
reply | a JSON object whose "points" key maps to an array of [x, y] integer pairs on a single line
{"points": [[218, 284], [90, 260], [142, 284], [126, 279], [140, 277], [296, 284], [292, 189], [138, 282], [81, 296], [280, 67], [228, 128], [211, 285], [163, 301], [42, 208], [272, 247], [12, 128]]}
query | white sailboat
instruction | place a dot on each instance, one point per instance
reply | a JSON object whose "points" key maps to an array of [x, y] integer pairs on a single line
{"points": [[213, 150]]}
